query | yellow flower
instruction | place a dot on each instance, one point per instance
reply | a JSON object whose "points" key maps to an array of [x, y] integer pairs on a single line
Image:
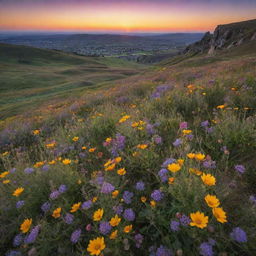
{"points": [[142, 146], [18, 191], [212, 201], [198, 219], [115, 193], [115, 221], [121, 172], [199, 157], [96, 246], [56, 213], [191, 155], [180, 162], [128, 229], [25, 226], [76, 138], [143, 199], [4, 174], [79, 182], [208, 179], [118, 159], [91, 150], [6, 181], [51, 145], [108, 140], [110, 167], [219, 214], [124, 118], [97, 215], [171, 180], [153, 203], [195, 171], [186, 132], [109, 162], [173, 167], [75, 207], [66, 161], [84, 148], [36, 132], [94, 199], [5, 153], [134, 154], [38, 164], [52, 162], [113, 235], [220, 106]]}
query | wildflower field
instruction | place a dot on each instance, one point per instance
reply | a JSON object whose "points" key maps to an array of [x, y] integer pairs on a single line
{"points": [[159, 164]]}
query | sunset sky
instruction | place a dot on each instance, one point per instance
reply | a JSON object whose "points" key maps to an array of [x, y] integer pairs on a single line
{"points": [[122, 15]]}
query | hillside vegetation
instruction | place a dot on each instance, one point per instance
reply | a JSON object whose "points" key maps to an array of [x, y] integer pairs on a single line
{"points": [[160, 163]]}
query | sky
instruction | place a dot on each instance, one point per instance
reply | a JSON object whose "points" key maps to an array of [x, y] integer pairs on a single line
{"points": [[122, 15]]}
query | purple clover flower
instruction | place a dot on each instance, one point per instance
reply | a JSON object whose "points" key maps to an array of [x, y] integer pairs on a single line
{"points": [[158, 139], [129, 214], [69, 218], [13, 253], [87, 205], [105, 227], [168, 161], [31, 237], [209, 164], [205, 124], [150, 129], [140, 186], [177, 142], [118, 209], [238, 235], [99, 180], [138, 240], [240, 168], [107, 188], [75, 236], [46, 167], [20, 204], [163, 251], [62, 188], [185, 220], [18, 239], [28, 170], [183, 125], [205, 249], [45, 207], [157, 195], [160, 90], [54, 195], [163, 174], [118, 144], [252, 199], [175, 225], [127, 197]]}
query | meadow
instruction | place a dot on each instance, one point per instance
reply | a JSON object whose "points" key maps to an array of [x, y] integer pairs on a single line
{"points": [[160, 163]]}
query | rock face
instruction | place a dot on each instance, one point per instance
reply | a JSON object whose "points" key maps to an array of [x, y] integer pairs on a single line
{"points": [[225, 37]]}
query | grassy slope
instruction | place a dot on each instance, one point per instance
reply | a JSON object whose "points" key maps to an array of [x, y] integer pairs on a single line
{"points": [[30, 77]]}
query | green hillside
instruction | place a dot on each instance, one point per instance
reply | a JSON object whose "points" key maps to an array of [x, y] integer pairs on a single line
{"points": [[31, 77]]}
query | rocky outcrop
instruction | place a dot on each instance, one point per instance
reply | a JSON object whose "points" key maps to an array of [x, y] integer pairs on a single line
{"points": [[225, 37]]}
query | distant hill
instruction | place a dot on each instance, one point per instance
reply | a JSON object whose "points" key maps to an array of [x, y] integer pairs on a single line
{"points": [[225, 37]]}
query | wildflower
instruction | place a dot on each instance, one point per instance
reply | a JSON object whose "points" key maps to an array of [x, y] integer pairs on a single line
{"points": [[115, 193], [54, 195], [140, 186], [75, 207], [75, 236], [18, 191], [75, 139], [219, 214], [18, 239], [52, 162], [36, 132], [173, 167], [191, 155], [45, 207], [84, 148], [143, 199], [46, 167], [105, 227], [171, 180], [31, 237], [5, 153], [183, 125], [97, 215], [157, 195], [205, 123], [118, 159], [177, 142], [185, 220], [138, 240], [56, 213], [198, 219], [208, 179], [110, 167], [107, 188], [127, 197], [6, 181], [4, 174], [66, 161], [19, 204], [38, 164], [113, 235], [240, 168], [25, 226], [186, 132], [195, 171], [199, 157], [206, 249], [129, 214], [212, 201], [69, 218], [94, 199], [158, 139], [238, 235], [175, 225], [163, 174], [118, 209], [115, 221], [62, 188], [221, 106], [142, 146], [124, 118], [163, 251], [51, 145], [91, 150], [28, 170], [121, 171], [128, 229], [252, 199], [153, 203], [96, 246]]}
